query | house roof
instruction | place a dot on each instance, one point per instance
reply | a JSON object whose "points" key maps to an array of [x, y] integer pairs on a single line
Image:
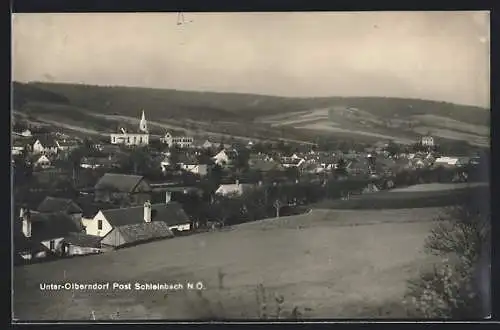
{"points": [[47, 141], [67, 143], [54, 204], [118, 182], [141, 232], [83, 240], [171, 213], [233, 188], [187, 158], [264, 166], [47, 226]]}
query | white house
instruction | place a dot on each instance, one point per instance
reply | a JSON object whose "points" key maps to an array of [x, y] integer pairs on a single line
{"points": [[45, 145], [225, 157], [234, 189], [446, 161], [43, 162], [427, 141], [26, 133], [170, 212], [199, 169], [139, 138], [179, 141]]}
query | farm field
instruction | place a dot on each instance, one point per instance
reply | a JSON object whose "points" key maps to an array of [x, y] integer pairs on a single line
{"points": [[451, 124], [328, 263]]}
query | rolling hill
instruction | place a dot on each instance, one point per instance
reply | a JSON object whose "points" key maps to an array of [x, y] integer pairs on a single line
{"points": [[249, 115]]}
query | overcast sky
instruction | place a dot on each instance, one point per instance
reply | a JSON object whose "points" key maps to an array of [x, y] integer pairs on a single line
{"points": [[431, 55]]}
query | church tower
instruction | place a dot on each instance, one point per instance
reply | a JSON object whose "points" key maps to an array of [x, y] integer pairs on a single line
{"points": [[143, 126]]}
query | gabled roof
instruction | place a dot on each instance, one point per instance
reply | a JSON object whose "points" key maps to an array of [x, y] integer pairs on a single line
{"points": [[118, 182], [47, 141], [171, 213], [54, 204], [83, 240], [233, 188], [139, 232], [187, 158], [47, 226], [264, 166]]}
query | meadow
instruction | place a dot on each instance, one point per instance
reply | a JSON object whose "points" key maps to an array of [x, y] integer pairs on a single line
{"points": [[325, 264]]}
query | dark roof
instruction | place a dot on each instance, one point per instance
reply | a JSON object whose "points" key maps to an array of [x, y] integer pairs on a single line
{"points": [[84, 240], [47, 141], [185, 158], [47, 226], [54, 204], [171, 213], [118, 182], [264, 166], [138, 232]]}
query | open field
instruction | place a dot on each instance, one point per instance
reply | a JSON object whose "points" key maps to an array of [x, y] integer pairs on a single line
{"points": [[327, 127], [440, 186], [451, 124], [328, 263], [425, 195]]}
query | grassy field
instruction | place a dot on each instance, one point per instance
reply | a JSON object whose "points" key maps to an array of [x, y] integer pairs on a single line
{"points": [[417, 196], [327, 263]]}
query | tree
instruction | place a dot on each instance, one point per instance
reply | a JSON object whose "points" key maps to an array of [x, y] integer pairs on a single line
{"points": [[393, 149], [457, 290]]}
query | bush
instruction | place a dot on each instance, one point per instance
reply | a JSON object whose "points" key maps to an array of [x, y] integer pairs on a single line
{"points": [[458, 289]]}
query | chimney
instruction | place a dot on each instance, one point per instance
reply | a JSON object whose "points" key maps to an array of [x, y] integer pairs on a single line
{"points": [[26, 219], [168, 197], [147, 211]]}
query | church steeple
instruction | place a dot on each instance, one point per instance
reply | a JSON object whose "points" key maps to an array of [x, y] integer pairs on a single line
{"points": [[143, 125]]}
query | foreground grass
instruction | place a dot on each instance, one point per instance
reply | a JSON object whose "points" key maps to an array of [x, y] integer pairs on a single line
{"points": [[322, 265]]}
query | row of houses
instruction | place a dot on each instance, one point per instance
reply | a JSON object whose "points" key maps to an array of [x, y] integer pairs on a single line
{"points": [[58, 227]]}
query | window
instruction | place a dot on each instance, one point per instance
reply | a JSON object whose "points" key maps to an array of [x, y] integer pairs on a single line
{"points": [[99, 224], [140, 139], [52, 245]]}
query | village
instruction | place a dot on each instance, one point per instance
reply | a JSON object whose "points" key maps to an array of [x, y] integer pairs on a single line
{"points": [[78, 196]]}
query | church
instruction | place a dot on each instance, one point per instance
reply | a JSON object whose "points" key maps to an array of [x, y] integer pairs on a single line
{"points": [[138, 138]]}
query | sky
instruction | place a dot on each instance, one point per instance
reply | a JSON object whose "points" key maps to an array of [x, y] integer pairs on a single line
{"points": [[441, 56]]}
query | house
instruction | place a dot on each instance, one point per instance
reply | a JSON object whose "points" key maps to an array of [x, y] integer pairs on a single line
{"points": [[198, 169], [171, 214], [45, 144], [293, 161], [139, 138], [122, 188], [66, 145], [427, 141], [43, 162], [64, 205], [225, 157], [81, 244], [99, 162], [179, 141], [234, 189], [48, 229], [26, 133], [446, 161], [18, 147]]}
